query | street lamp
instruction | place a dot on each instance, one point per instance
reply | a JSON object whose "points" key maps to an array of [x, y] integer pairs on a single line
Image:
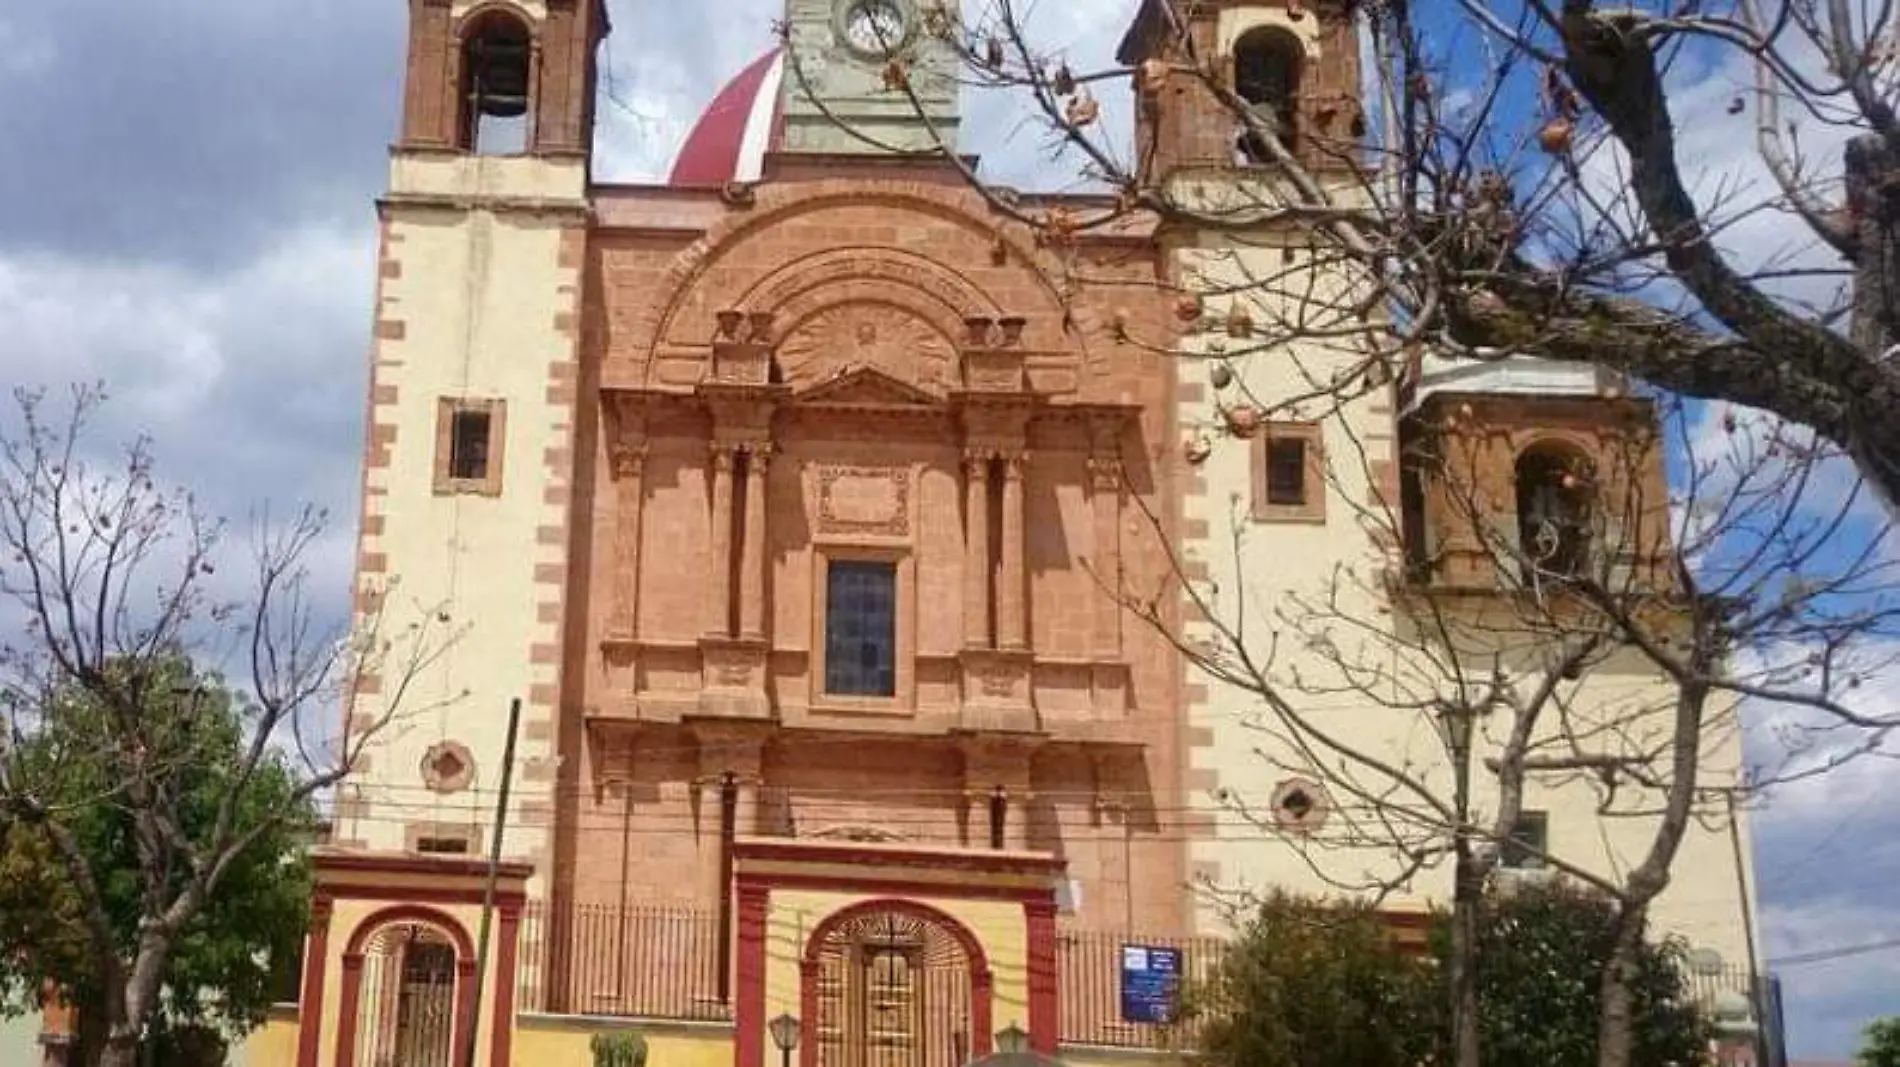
{"points": [[1456, 723], [1012, 1040], [785, 1036]]}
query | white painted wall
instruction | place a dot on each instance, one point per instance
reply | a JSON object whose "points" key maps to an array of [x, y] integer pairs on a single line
{"points": [[1278, 567], [478, 290]]}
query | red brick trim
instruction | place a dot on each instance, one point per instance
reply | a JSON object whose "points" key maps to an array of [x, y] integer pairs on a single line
{"points": [[316, 962], [501, 1044], [389, 864], [1045, 1024], [748, 1017], [858, 854], [895, 887]]}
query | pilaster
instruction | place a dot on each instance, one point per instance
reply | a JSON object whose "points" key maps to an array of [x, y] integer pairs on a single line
{"points": [[976, 559]]}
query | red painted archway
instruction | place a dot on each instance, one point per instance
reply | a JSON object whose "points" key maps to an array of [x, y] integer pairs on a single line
{"points": [[352, 992], [982, 982]]}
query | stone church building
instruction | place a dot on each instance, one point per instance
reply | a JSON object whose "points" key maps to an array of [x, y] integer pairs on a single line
{"points": [[795, 500]]}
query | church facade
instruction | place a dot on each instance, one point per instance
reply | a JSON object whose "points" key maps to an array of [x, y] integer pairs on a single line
{"points": [[800, 502]]}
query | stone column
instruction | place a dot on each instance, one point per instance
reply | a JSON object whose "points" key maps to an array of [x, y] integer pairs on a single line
{"points": [[719, 587], [976, 540], [1011, 586], [1105, 488], [752, 558], [629, 506]]}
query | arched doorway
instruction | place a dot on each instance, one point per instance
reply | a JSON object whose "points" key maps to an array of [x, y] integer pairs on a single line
{"points": [[406, 1003], [895, 985]]}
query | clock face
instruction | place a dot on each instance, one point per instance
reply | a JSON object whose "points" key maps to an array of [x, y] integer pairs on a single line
{"points": [[874, 27]]}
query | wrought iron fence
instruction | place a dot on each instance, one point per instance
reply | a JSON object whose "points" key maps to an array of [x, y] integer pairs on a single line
{"points": [[1089, 964], [609, 959]]}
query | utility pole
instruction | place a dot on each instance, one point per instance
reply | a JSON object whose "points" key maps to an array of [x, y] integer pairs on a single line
{"points": [[488, 889], [1755, 999]]}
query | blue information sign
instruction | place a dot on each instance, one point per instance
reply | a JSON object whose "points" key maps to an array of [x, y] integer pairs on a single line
{"points": [[1151, 980]]}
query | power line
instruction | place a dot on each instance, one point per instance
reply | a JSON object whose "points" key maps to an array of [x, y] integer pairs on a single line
{"points": [[1826, 955]]}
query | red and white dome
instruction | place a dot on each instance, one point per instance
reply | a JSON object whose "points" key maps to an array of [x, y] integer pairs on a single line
{"points": [[737, 129]]}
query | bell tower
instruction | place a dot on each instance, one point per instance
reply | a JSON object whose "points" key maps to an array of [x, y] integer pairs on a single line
{"points": [[473, 406], [849, 60], [1227, 91], [502, 77], [1293, 65]]}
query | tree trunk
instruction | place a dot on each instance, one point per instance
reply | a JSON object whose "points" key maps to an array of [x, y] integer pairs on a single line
{"points": [[120, 1051], [1466, 891], [1615, 1017], [1873, 203]]}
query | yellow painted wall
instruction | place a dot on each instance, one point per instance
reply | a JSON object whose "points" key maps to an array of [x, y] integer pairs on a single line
{"points": [[562, 1041], [1096, 1056], [272, 1045]]}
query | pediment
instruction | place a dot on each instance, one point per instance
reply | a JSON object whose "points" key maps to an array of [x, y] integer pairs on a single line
{"points": [[866, 387]]}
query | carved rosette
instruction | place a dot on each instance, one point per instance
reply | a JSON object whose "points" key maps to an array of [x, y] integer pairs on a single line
{"points": [[846, 337], [448, 767]]}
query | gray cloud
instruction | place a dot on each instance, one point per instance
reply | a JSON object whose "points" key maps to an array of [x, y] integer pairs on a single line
{"points": [[190, 132]]}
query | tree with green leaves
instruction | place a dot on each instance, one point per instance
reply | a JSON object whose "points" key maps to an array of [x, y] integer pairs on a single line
{"points": [[1881, 1046], [231, 959], [1314, 983], [1541, 953], [147, 810]]}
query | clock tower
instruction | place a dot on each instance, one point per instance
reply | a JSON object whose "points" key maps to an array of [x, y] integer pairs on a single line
{"points": [[840, 90]]}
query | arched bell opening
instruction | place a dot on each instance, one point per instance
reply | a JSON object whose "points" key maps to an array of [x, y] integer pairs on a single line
{"points": [[1268, 64], [496, 91], [1555, 506]]}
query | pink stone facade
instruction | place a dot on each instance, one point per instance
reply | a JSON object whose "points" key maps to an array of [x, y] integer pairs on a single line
{"points": [[859, 361]]}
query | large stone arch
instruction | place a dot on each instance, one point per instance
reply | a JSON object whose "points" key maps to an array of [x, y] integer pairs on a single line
{"points": [[684, 317]]}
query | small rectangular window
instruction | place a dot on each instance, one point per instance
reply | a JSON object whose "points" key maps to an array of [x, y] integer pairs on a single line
{"points": [[1286, 471], [861, 628], [468, 445], [1287, 461], [1530, 839], [442, 846]]}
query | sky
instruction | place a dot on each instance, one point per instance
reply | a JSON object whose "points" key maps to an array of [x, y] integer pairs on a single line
{"points": [[186, 213]]}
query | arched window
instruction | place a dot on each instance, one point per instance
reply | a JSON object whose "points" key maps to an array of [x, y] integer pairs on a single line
{"points": [[1267, 63], [496, 65], [1554, 500]]}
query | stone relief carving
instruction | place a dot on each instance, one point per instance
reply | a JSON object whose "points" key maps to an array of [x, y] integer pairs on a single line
{"points": [[448, 767], [847, 336], [863, 500], [853, 832]]}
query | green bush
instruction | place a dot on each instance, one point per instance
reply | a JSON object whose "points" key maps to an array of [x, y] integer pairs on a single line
{"points": [[1319, 983], [622, 1048]]}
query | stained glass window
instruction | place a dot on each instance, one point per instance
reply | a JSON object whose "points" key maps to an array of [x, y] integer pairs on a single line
{"points": [[861, 628]]}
